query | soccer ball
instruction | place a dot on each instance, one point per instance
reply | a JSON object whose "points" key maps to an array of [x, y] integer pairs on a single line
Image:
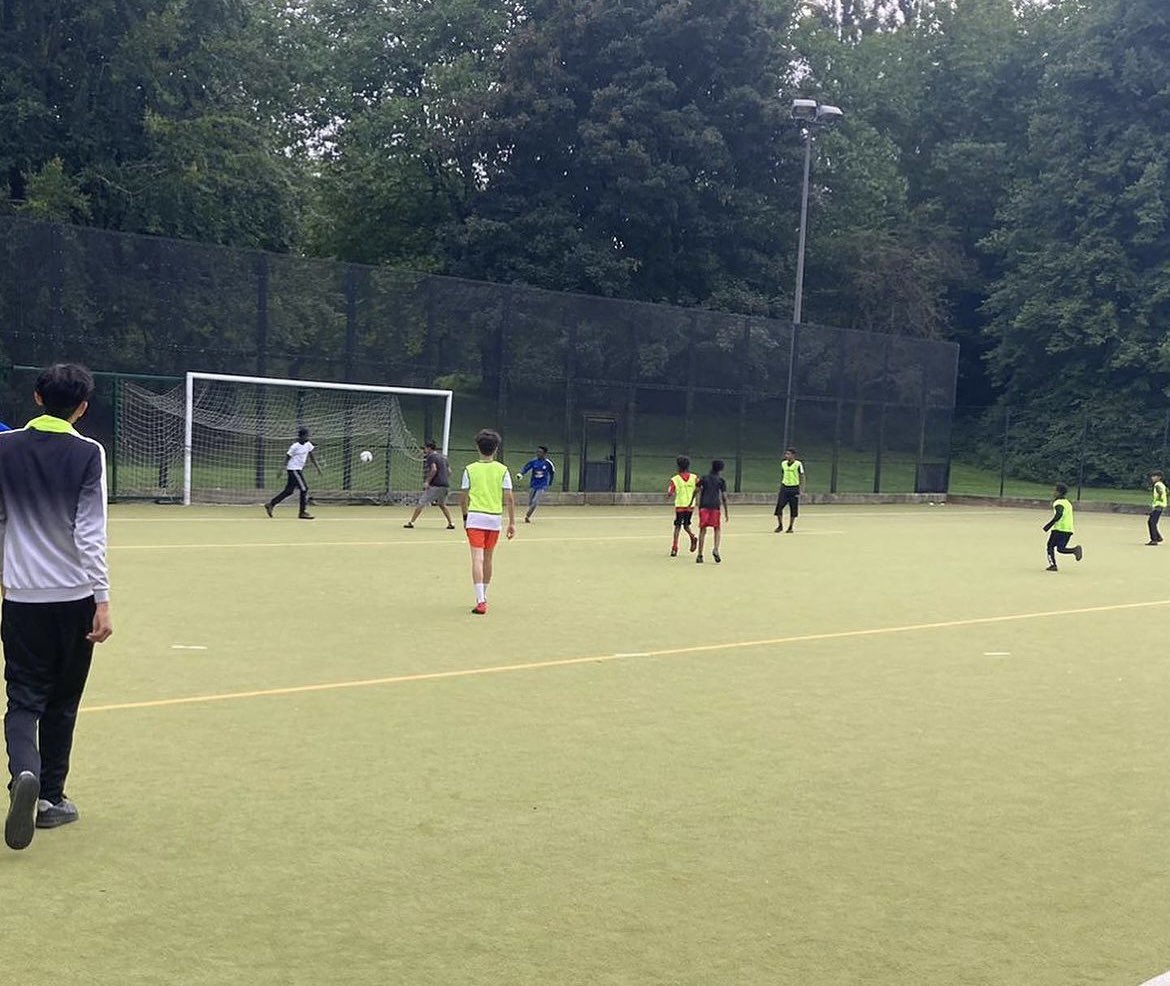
{"points": [[367, 456]]}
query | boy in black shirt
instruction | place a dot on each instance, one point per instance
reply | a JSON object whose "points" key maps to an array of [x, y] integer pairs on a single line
{"points": [[711, 492]]}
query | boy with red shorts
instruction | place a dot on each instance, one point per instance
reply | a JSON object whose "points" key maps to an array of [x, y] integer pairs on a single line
{"points": [[487, 489], [711, 492]]}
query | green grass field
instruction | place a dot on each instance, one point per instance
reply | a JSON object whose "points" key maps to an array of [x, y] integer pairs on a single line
{"points": [[889, 749]]}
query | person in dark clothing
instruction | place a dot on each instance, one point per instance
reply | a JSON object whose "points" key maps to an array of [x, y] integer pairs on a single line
{"points": [[1062, 528], [436, 483], [56, 594], [711, 492]]}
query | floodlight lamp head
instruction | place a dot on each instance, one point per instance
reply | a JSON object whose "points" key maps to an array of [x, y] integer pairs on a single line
{"points": [[804, 109], [829, 114]]}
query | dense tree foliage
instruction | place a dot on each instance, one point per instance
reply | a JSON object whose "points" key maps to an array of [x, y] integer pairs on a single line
{"points": [[1000, 178]]}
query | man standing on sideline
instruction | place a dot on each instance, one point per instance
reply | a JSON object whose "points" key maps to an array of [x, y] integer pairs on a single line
{"points": [[791, 487], [1157, 505], [543, 472], [56, 594], [436, 483]]}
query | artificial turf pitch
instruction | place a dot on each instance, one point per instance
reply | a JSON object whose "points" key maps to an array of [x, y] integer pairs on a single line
{"points": [[889, 749]]}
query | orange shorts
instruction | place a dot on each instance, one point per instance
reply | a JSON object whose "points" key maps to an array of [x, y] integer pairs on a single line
{"points": [[477, 537]]}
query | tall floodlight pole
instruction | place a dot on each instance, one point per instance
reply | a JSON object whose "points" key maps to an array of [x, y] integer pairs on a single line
{"points": [[809, 114]]}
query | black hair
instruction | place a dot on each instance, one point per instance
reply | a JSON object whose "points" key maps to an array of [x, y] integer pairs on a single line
{"points": [[430, 443], [1061, 489], [487, 441], [1158, 473], [63, 388], [790, 449], [302, 433], [717, 465], [683, 463], [542, 448]]}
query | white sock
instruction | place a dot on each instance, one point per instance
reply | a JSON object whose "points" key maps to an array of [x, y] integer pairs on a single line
{"points": [[480, 592]]}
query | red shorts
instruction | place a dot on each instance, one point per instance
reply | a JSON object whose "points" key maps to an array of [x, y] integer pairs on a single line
{"points": [[710, 518], [479, 538]]}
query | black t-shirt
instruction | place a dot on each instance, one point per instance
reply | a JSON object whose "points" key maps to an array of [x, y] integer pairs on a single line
{"points": [[442, 472], [711, 488]]}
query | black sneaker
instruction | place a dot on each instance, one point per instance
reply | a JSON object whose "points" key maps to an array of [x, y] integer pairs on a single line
{"points": [[305, 517], [450, 527], [674, 552], [1051, 568], [20, 825], [715, 555], [779, 530], [268, 509], [699, 560], [1151, 544], [1078, 552], [409, 526], [50, 815]]}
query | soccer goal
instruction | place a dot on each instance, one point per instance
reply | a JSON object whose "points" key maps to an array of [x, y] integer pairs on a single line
{"points": [[221, 438]]}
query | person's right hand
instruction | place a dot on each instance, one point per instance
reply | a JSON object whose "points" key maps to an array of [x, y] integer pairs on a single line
{"points": [[103, 627]]}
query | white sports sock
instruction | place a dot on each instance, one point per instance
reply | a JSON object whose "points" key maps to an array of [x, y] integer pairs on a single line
{"points": [[480, 592]]}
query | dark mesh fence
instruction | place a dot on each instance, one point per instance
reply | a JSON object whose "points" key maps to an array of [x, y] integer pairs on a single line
{"points": [[1098, 450], [615, 389]]}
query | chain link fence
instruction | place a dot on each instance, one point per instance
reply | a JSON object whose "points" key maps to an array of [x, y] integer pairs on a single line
{"points": [[615, 389]]}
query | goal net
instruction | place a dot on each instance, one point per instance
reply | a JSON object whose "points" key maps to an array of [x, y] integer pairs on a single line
{"points": [[223, 439]]}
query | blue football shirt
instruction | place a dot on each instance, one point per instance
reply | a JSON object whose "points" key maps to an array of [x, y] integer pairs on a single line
{"points": [[542, 473]]}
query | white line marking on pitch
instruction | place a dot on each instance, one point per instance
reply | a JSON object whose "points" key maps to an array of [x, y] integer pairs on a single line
{"points": [[1162, 980], [997, 653], [409, 542], [634, 513], [187, 647], [602, 658]]}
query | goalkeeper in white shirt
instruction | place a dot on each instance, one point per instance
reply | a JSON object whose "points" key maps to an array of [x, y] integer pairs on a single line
{"points": [[299, 452]]}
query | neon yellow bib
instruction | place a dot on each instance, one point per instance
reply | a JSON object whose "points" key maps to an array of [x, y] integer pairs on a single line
{"points": [[1065, 524], [1159, 495], [790, 472], [684, 489], [486, 492]]}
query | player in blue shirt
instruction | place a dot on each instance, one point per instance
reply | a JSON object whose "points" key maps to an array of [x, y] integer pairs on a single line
{"points": [[543, 472]]}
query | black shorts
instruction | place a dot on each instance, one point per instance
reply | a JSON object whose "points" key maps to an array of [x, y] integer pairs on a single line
{"points": [[682, 518]]}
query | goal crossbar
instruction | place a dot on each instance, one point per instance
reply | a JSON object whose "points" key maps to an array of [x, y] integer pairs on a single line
{"points": [[193, 376]]}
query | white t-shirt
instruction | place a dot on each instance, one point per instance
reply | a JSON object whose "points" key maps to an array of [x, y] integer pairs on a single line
{"points": [[298, 455], [486, 522]]}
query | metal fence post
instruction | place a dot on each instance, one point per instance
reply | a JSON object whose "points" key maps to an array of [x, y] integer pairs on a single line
{"points": [[745, 344], [1081, 464], [261, 359], [116, 381], [793, 355], [1003, 453], [692, 347], [351, 332], [631, 405], [570, 370]]}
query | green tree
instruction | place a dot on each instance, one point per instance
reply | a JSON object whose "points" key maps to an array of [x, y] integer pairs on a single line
{"points": [[633, 148], [391, 87], [1081, 309], [159, 111]]}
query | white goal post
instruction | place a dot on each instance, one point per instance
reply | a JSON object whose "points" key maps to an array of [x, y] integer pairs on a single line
{"points": [[345, 421], [222, 438]]}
